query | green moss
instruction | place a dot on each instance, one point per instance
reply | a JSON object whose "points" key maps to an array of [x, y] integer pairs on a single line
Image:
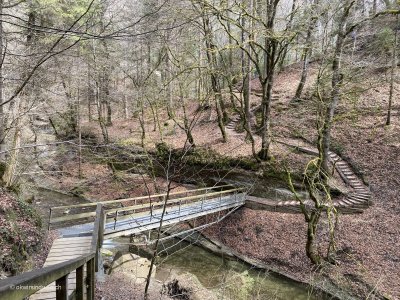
{"points": [[20, 234], [79, 190], [127, 142], [28, 211], [201, 156]]}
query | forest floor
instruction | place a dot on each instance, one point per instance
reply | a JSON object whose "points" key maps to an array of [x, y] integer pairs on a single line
{"points": [[368, 243]]}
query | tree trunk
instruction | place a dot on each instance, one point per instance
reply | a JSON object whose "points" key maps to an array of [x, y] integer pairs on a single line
{"points": [[80, 174], [392, 72], [102, 124], [215, 85], [246, 71], [89, 95], [142, 123], [155, 252], [270, 61], [167, 84], [11, 166], [266, 122], [306, 52], [337, 79], [311, 250], [186, 124], [108, 104], [374, 5], [2, 118], [288, 29]]}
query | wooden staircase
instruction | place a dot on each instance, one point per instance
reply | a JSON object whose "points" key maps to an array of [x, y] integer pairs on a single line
{"points": [[354, 202]]}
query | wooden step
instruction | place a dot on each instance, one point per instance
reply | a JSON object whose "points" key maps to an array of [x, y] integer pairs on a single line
{"points": [[365, 193], [341, 203], [357, 183], [358, 197]]}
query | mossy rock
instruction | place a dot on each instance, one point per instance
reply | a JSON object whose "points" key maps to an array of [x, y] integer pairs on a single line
{"points": [[79, 190], [201, 156]]}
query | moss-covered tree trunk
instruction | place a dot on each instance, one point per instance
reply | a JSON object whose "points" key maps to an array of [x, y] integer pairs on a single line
{"points": [[337, 79], [215, 85], [311, 249], [2, 118]]}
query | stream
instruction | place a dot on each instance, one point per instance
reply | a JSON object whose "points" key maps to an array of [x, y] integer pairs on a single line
{"points": [[229, 279], [224, 278]]}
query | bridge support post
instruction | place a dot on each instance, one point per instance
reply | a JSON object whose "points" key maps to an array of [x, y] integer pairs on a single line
{"points": [[90, 279], [62, 288], [79, 283], [50, 213], [115, 218]]}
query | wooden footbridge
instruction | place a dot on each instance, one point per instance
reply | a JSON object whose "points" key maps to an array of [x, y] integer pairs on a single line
{"points": [[70, 268]]}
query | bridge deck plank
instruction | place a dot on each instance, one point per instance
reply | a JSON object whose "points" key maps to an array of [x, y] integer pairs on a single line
{"points": [[63, 249]]}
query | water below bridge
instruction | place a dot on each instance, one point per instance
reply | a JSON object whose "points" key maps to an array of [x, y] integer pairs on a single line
{"points": [[225, 278]]}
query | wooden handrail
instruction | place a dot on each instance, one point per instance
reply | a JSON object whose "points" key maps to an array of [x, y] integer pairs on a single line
{"points": [[138, 198], [28, 283], [98, 232]]}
